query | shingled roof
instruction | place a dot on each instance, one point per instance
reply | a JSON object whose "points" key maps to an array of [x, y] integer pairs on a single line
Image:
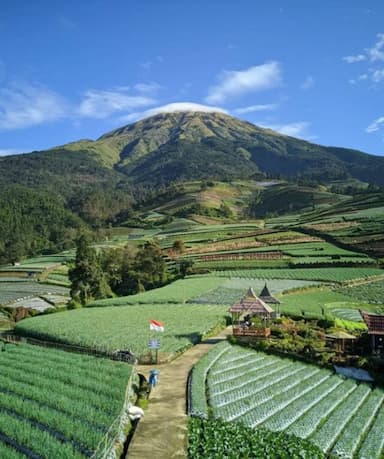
{"points": [[266, 296], [250, 303], [374, 322]]}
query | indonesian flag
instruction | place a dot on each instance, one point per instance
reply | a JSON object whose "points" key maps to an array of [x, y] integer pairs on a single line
{"points": [[155, 325]]}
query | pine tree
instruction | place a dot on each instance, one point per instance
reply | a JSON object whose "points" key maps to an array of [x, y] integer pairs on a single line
{"points": [[87, 278]]}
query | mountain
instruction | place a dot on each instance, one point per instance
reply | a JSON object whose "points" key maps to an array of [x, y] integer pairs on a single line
{"points": [[195, 145], [184, 146], [101, 181]]}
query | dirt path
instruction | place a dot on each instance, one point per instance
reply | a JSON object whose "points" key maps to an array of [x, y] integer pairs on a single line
{"points": [[162, 433]]}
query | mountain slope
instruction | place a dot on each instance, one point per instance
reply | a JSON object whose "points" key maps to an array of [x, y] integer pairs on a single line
{"points": [[191, 145], [186, 146]]}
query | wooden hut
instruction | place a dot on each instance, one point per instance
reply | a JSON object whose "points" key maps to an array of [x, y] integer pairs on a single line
{"points": [[341, 341], [375, 324], [266, 296], [251, 316]]}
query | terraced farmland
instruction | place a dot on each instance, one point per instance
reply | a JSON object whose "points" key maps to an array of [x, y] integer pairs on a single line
{"points": [[337, 275], [338, 415], [11, 292], [111, 328], [56, 404]]}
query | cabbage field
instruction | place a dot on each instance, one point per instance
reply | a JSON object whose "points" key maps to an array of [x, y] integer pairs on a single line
{"points": [[340, 416]]}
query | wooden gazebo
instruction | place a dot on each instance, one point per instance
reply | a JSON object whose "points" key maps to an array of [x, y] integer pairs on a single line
{"points": [[375, 324], [266, 296], [251, 316], [341, 341]]}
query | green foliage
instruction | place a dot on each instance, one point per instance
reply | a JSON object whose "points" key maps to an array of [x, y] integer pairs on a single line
{"points": [[316, 274], [31, 222], [263, 391], [111, 328], [216, 439], [88, 281], [54, 401], [369, 292]]}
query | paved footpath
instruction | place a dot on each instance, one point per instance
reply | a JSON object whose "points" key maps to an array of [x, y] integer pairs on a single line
{"points": [[162, 433]]}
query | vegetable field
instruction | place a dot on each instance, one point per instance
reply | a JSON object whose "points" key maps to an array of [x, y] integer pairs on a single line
{"points": [[178, 292], [111, 328], [234, 289], [216, 439], [372, 292], [338, 415], [15, 291], [57, 404], [337, 275]]}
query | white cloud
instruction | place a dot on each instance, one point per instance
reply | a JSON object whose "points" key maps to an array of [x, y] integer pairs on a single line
{"points": [[26, 105], [235, 83], [255, 108], [354, 59], [102, 104], [171, 108], [147, 88], [376, 53], [377, 75], [296, 129], [375, 125], [308, 83]]}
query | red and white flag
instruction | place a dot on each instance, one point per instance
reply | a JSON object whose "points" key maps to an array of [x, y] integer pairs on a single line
{"points": [[155, 325]]}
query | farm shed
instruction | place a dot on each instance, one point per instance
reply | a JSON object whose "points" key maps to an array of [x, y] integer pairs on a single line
{"points": [[341, 341], [375, 324], [251, 316]]}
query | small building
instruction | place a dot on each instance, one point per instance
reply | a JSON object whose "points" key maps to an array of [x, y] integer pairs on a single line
{"points": [[375, 324], [341, 341], [251, 316], [266, 296]]}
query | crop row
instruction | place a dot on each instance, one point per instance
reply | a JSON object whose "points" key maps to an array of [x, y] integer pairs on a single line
{"points": [[338, 415], [317, 274], [372, 292], [177, 292], [198, 402], [110, 328], [13, 291], [57, 404]]}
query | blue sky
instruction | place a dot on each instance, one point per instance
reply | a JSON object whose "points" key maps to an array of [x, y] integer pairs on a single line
{"points": [[71, 69]]}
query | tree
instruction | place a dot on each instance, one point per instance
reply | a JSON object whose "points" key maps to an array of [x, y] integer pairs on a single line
{"points": [[179, 246], [88, 281]]}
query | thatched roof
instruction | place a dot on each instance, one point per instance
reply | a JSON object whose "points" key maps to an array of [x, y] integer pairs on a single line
{"points": [[251, 304], [340, 335], [374, 322], [266, 296]]}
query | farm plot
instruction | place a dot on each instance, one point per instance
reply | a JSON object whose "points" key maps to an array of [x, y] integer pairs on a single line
{"points": [[58, 404], [233, 289], [336, 275], [372, 292], [11, 292], [338, 415], [110, 328], [179, 291]]}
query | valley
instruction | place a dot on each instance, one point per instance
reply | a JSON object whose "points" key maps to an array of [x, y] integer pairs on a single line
{"points": [[127, 244]]}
